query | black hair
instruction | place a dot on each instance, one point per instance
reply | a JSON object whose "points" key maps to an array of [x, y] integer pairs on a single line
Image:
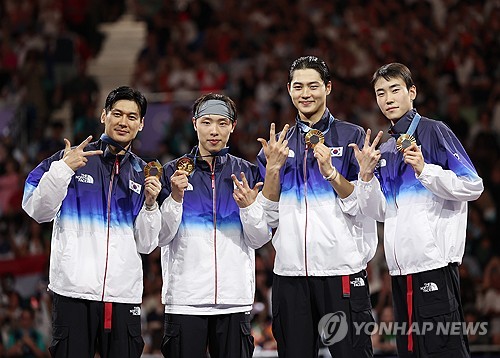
{"points": [[126, 93], [394, 70], [312, 62]]}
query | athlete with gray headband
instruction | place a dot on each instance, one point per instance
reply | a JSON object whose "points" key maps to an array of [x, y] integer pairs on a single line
{"points": [[211, 225], [217, 107]]}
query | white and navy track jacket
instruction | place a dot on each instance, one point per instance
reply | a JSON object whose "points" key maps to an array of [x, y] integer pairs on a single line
{"points": [[207, 241], [426, 216], [100, 225], [318, 233]]}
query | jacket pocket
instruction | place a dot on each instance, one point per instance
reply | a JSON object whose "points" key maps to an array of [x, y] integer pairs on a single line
{"points": [[171, 343], [135, 341], [59, 345], [439, 319], [247, 341], [361, 316]]}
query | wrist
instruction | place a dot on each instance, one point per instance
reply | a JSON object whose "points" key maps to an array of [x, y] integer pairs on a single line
{"points": [[152, 207], [333, 175]]}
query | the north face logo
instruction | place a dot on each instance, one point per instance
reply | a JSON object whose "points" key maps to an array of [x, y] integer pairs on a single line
{"points": [[358, 282], [85, 178], [429, 287], [136, 311]]}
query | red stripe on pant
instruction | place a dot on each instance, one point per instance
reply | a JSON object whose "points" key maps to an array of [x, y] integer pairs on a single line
{"points": [[409, 303], [108, 315], [346, 286]]}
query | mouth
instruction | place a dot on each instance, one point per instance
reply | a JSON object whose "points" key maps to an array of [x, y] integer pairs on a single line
{"points": [[121, 132], [391, 109], [306, 103], [214, 141]]}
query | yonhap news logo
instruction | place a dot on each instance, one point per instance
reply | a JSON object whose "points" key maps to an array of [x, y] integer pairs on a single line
{"points": [[332, 328]]}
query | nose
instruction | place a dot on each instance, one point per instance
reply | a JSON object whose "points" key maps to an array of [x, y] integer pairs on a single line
{"points": [[305, 92]]}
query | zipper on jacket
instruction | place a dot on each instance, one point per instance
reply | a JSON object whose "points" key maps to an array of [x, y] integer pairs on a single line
{"points": [[214, 210], [115, 171], [305, 199]]}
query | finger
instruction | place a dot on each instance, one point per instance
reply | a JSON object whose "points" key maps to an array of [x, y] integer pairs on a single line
{"points": [[258, 186], [92, 152], [85, 142], [263, 142], [68, 145], [367, 138], [244, 180], [354, 146], [272, 133], [236, 181], [283, 133], [377, 139]]}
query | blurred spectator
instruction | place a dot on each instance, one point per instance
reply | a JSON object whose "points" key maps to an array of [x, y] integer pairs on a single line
{"points": [[24, 340]]}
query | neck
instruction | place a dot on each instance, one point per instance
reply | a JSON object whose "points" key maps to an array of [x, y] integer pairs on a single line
{"points": [[312, 119]]}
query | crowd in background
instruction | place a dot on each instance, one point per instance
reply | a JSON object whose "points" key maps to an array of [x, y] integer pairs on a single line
{"points": [[244, 49]]}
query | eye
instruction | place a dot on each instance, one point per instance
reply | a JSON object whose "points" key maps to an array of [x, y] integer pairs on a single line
{"points": [[132, 117], [314, 87]]}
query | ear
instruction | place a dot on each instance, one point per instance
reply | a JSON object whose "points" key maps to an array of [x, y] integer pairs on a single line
{"points": [[233, 126], [194, 123], [413, 92], [288, 88], [142, 124], [103, 115], [328, 88]]}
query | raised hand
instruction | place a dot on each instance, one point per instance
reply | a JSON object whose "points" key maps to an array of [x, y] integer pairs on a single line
{"points": [[322, 154], [413, 156], [367, 157], [179, 183], [243, 194], [76, 158], [276, 151], [152, 188]]}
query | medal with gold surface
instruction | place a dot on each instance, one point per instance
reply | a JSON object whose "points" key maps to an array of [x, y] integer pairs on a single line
{"points": [[185, 164], [153, 168], [404, 141], [314, 137]]}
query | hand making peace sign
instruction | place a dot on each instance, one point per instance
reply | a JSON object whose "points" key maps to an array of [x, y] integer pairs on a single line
{"points": [[367, 157], [76, 158], [276, 151]]}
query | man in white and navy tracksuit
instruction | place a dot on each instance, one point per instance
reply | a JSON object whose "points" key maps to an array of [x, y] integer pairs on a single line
{"points": [[420, 191]]}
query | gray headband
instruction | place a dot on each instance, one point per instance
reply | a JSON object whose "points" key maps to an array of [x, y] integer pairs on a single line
{"points": [[214, 106]]}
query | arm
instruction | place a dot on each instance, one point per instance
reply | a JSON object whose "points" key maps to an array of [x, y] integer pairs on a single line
{"points": [[171, 208], [369, 195], [46, 189], [341, 185], [171, 216], [252, 215], [450, 175], [276, 152], [148, 223]]}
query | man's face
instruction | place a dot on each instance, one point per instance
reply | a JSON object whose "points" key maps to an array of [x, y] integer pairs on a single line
{"points": [[213, 132], [122, 122], [308, 93], [393, 98]]}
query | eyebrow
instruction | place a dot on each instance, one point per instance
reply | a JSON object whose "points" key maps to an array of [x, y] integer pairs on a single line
{"points": [[390, 87], [122, 111], [308, 83]]}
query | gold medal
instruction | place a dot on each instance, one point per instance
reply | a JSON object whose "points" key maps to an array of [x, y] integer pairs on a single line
{"points": [[404, 141], [314, 137], [153, 168], [185, 164]]}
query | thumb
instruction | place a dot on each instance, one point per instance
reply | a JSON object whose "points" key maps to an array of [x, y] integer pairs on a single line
{"points": [[258, 185], [67, 148], [354, 146], [263, 142]]}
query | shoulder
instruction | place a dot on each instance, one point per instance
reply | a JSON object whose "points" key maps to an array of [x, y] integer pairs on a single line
{"points": [[348, 127], [240, 161]]}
